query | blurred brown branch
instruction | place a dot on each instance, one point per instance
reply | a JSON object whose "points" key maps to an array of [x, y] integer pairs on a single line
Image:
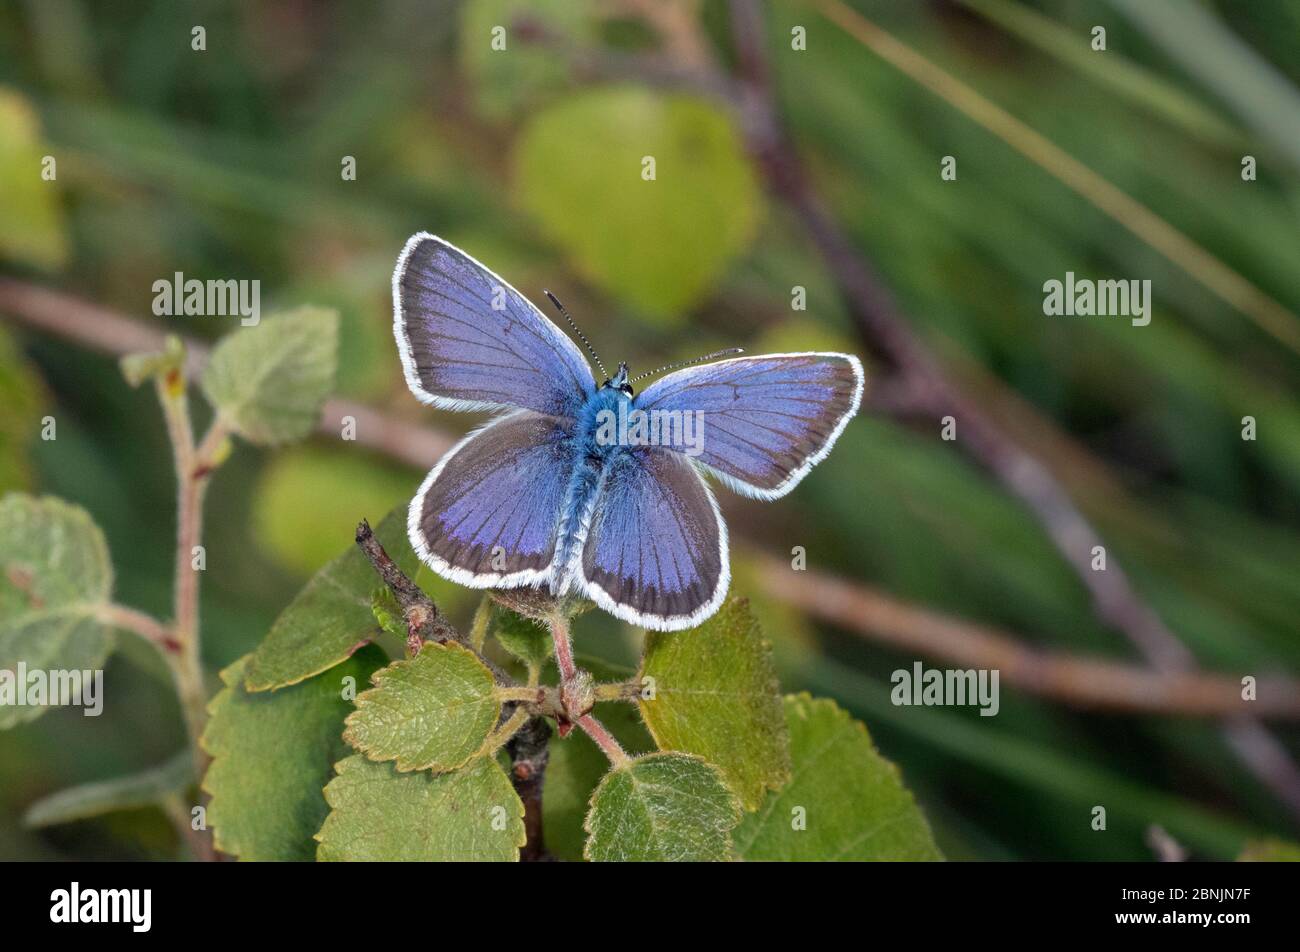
{"points": [[889, 335], [1082, 682]]}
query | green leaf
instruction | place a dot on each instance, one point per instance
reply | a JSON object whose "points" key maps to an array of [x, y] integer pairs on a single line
{"points": [[432, 712], [269, 381], [22, 397], [526, 639], [849, 800], [577, 766], [272, 754], [32, 230], [331, 617], [716, 695], [380, 815], [1270, 851], [579, 172], [55, 577], [107, 796], [662, 807]]}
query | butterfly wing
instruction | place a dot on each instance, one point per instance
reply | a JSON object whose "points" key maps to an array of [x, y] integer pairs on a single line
{"points": [[488, 514], [655, 552], [766, 420], [470, 341]]}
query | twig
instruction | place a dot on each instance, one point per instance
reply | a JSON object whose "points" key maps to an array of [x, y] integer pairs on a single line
{"points": [[111, 332], [146, 626], [604, 740], [199, 842], [1082, 682], [529, 752], [73, 318], [1166, 848], [191, 485], [527, 748], [559, 626], [423, 622]]}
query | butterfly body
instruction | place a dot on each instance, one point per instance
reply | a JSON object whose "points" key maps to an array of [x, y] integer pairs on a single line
{"points": [[559, 492]]}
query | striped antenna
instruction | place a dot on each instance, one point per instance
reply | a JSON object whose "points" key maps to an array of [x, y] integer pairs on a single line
{"points": [[581, 336], [687, 363]]}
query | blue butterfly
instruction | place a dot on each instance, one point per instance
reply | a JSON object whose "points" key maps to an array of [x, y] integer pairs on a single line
{"points": [[542, 496]]}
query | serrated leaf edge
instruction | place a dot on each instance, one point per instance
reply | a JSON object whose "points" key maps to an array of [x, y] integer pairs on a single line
{"points": [[401, 764]]}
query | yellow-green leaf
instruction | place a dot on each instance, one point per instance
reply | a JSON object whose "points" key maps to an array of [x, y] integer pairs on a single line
{"points": [[1270, 851], [843, 802], [272, 754], [526, 639], [22, 396], [268, 381], [663, 807], [331, 617], [432, 712], [660, 245], [55, 576], [32, 230], [380, 815], [716, 695]]}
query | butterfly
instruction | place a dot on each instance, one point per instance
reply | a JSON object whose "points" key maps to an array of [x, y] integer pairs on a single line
{"points": [[555, 492]]}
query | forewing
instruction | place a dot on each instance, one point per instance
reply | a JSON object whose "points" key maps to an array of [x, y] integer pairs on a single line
{"points": [[766, 421], [470, 341], [655, 553], [488, 513]]}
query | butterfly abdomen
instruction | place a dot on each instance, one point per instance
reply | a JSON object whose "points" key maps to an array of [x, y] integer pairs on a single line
{"points": [[592, 457]]}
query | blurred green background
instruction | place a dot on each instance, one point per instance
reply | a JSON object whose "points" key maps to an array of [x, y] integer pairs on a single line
{"points": [[225, 163]]}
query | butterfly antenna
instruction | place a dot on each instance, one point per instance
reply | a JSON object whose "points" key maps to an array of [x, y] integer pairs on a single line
{"points": [[581, 336], [687, 363]]}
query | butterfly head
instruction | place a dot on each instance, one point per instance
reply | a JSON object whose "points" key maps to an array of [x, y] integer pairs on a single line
{"points": [[619, 381]]}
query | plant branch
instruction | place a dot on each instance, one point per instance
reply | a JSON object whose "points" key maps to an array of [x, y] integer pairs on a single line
{"points": [[111, 332], [199, 842], [529, 751], [146, 626], [604, 740], [889, 335], [559, 626], [1088, 683], [528, 733], [618, 691], [191, 486], [423, 622]]}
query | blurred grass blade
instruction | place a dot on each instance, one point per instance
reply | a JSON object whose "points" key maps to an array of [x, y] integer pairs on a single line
{"points": [[1123, 76], [1229, 284], [1217, 58]]}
